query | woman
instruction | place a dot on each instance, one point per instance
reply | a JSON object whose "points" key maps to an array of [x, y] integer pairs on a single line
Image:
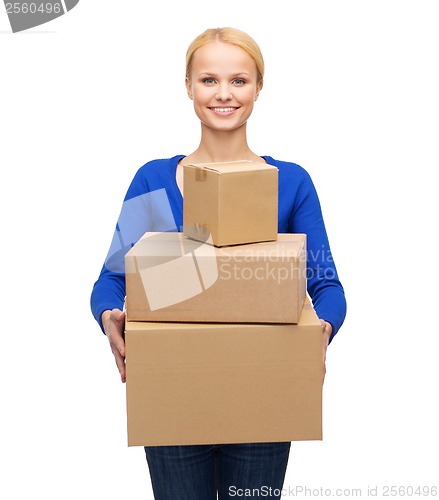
{"points": [[224, 76]]}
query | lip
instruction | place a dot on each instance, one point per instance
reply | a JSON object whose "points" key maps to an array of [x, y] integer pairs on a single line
{"points": [[224, 110]]}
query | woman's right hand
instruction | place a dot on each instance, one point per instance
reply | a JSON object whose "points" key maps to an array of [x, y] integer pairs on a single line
{"points": [[113, 322]]}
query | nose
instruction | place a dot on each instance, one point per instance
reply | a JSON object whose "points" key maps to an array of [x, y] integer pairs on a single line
{"points": [[224, 93]]}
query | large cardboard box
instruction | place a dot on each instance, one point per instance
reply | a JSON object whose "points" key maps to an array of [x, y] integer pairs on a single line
{"points": [[233, 202], [173, 278], [224, 383]]}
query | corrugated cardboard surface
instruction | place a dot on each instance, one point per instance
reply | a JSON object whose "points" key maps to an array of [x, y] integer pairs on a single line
{"points": [[224, 383], [235, 203], [173, 278]]}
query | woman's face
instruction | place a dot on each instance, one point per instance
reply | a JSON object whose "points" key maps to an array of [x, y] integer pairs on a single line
{"points": [[223, 85]]}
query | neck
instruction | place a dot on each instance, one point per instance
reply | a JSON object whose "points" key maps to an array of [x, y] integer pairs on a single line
{"points": [[219, 146]]}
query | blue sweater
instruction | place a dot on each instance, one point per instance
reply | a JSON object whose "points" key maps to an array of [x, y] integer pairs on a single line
{"points": [[299, 212]]}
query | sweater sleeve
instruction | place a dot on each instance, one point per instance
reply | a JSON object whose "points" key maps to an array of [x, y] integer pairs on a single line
{"points": [[108, 293], [323, 284], [134, 220]]}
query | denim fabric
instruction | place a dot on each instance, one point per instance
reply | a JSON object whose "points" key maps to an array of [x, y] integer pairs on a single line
{"points": [[250, 471]]}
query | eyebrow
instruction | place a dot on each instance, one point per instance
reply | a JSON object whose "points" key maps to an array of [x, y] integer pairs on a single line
{"points": [[207, 73]]}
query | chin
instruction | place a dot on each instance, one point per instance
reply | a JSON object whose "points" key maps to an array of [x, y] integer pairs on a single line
{"points": [[223, 126]]}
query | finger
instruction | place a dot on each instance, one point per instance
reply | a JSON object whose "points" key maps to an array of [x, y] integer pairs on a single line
{"points": [[120, 362], [118, 344]]}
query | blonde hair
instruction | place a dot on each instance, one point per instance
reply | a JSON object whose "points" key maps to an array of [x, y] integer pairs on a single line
{"points": [[227, 35]]}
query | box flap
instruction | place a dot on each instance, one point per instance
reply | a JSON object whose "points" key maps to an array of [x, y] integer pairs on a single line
{"points": [[233, 167]]}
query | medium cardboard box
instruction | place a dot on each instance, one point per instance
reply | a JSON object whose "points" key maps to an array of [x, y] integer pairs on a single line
{"points": [[224, 383], [233, 202], [170, 277]]}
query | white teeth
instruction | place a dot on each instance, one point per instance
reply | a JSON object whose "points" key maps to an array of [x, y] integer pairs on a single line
{"points": [[223, 110]]}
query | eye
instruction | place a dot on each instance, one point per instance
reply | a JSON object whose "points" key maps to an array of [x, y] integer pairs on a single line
{"points": [[239, 81], [209, 80]]}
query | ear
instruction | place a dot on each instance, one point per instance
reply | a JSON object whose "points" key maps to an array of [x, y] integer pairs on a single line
{"points": [[258, 89], [189, 88]]}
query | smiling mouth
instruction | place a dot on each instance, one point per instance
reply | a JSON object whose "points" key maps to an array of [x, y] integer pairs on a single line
{"points": [[224, 110]]}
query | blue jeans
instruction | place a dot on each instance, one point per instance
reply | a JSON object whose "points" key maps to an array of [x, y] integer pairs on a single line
{"points": [[250, 471]]}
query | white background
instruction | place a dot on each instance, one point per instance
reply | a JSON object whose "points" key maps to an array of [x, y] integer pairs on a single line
{"points": [[85, 100]]}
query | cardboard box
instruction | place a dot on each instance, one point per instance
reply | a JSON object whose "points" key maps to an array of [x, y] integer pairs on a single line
{"points": [[173, 278], [234, 203], [224, 383]]}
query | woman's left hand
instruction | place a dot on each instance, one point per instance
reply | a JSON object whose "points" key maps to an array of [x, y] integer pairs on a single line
{"points": [[326, 334]]}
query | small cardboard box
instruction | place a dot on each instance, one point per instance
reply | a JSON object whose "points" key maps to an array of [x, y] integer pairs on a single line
{"points": [[191, 383], [173, 278], [233, 202]]}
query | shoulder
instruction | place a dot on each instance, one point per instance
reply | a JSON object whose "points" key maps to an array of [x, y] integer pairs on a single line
{"points": [[153, 175], [289, 170], [158, 165]]}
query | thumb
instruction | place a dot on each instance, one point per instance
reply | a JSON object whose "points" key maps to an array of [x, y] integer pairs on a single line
{"points": [[118, 315]]}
